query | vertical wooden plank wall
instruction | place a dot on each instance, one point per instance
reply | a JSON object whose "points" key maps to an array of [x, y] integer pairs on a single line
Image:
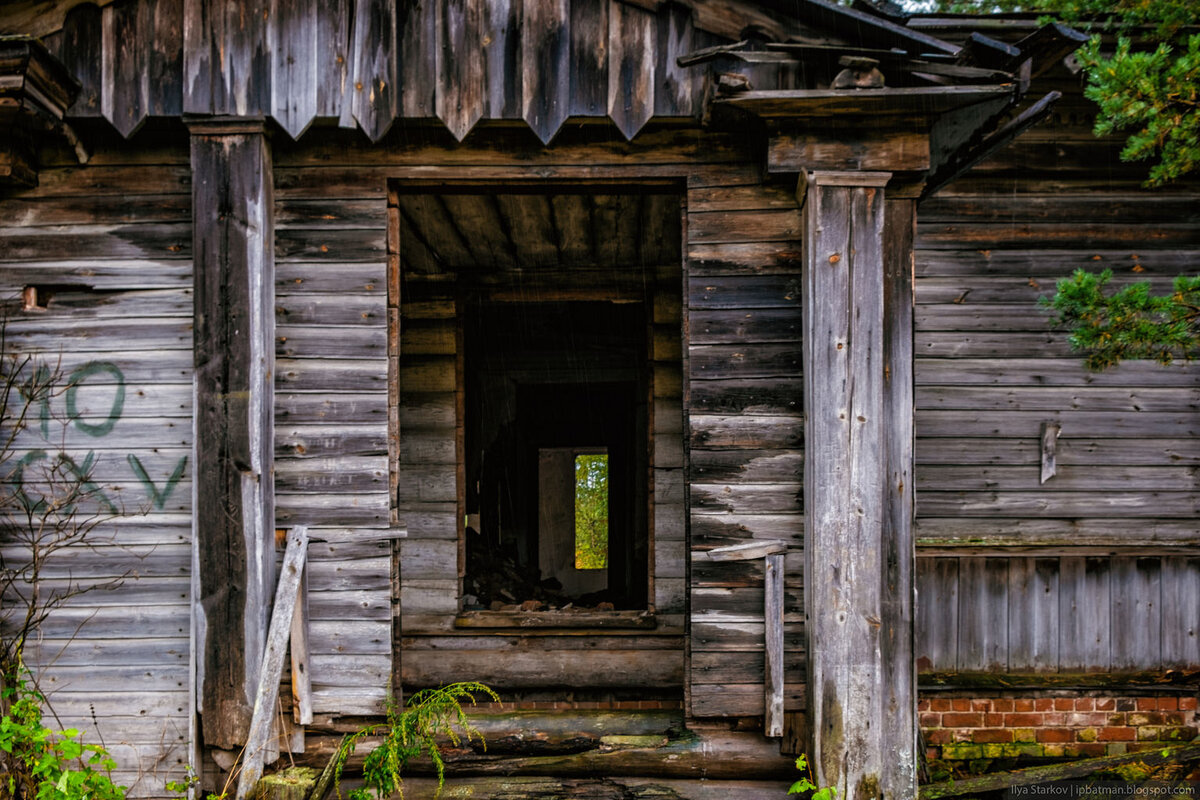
{"points": [[370, 63], [745, 433], [332, 419], [115, 239], [990, 372]]}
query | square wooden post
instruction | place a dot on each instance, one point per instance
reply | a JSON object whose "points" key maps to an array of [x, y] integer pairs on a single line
{"points": [[234, 518], [858, 578]]}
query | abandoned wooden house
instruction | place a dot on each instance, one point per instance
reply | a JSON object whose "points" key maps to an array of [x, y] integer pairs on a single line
{"points": [[385, 277]]}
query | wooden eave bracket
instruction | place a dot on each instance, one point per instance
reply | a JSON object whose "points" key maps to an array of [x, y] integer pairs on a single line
{"points": [[971, 154], [35, 92]]}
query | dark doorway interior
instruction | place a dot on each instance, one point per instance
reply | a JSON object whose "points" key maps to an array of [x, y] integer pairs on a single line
{"points": [[545, 381]]}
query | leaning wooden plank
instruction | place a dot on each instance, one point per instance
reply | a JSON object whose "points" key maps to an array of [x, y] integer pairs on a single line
{"points": [[1056, 772], [301, 677], [272, 665]]}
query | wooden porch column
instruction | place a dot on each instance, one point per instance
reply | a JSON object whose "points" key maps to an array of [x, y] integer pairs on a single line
{"points": [[858, 577], [234, 516]]}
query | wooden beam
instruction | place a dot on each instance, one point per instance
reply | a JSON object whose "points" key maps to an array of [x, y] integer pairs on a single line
{"points": [[858, 575], [302, 698], [773, 644], [272, 663], [897, 635], [234, 351], [1053, 773]]}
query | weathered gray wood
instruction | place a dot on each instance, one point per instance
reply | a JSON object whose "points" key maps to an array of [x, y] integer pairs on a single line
{"points": [[937, 614], [1095, 476], [848, 498], [899, 568], [1084, 614], [630, 67], [1033, 608], [301, 677], [375, 93], [459, 58], [274, 651], [546, 65], [294, 32], [1180, 505], [1136, 613], [1082, 536], [1072, 424], [235, 515], [747, 550], [223, 68], [1180, 612], [773, 644], [982, 614]]}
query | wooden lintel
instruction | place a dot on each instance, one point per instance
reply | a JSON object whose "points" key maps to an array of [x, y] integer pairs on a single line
{"points": [[223, 125], [897, 151], [912, 103]]}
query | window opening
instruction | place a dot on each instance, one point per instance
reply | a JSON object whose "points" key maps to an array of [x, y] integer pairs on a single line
{"points": [[591, 511], [556, 456]]}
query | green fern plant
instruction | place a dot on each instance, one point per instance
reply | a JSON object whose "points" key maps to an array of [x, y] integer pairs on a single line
{"points": [[806, 786], [408, 733]]}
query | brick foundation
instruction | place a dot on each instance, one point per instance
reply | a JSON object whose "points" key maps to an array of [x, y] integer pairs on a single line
{"points": [[1025, 726]]}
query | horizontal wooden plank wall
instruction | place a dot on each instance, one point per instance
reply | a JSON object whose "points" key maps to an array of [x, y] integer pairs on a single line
{"points": [[745, 433], [331, 427], [111, 244], [1028, 579], [368, 63], [345, 174]]}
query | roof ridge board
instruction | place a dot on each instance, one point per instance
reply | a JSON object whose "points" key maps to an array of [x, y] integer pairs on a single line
{"points": [[858, 24]]}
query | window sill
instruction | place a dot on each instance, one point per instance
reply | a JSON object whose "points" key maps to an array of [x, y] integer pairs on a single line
{"points": [[643, 620]]}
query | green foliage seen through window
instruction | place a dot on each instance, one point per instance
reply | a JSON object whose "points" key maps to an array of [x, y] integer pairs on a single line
{"points": [[591, 511]]}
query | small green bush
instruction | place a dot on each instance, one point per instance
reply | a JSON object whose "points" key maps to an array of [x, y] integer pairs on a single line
{"points": [[43, 764]]}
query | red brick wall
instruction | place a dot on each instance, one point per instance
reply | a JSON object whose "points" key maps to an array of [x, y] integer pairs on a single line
{"points": [[1027, 726]]}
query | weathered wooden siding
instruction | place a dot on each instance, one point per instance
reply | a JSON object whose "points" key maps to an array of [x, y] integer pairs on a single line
{"points": [[113, 244], [745, 434], [368, 63], [1058, 614], [990, 371], [331, 422]]}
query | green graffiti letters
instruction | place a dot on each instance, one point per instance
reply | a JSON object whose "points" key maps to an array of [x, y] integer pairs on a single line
{"points": [[38, 392], [158, 498], [118, 404], [87, 487], [17, 476]]}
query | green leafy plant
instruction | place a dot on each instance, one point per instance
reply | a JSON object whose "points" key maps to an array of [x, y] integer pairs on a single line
{"points": [[806, 785], [412, 732], [43, 764], [1130, 322]]}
